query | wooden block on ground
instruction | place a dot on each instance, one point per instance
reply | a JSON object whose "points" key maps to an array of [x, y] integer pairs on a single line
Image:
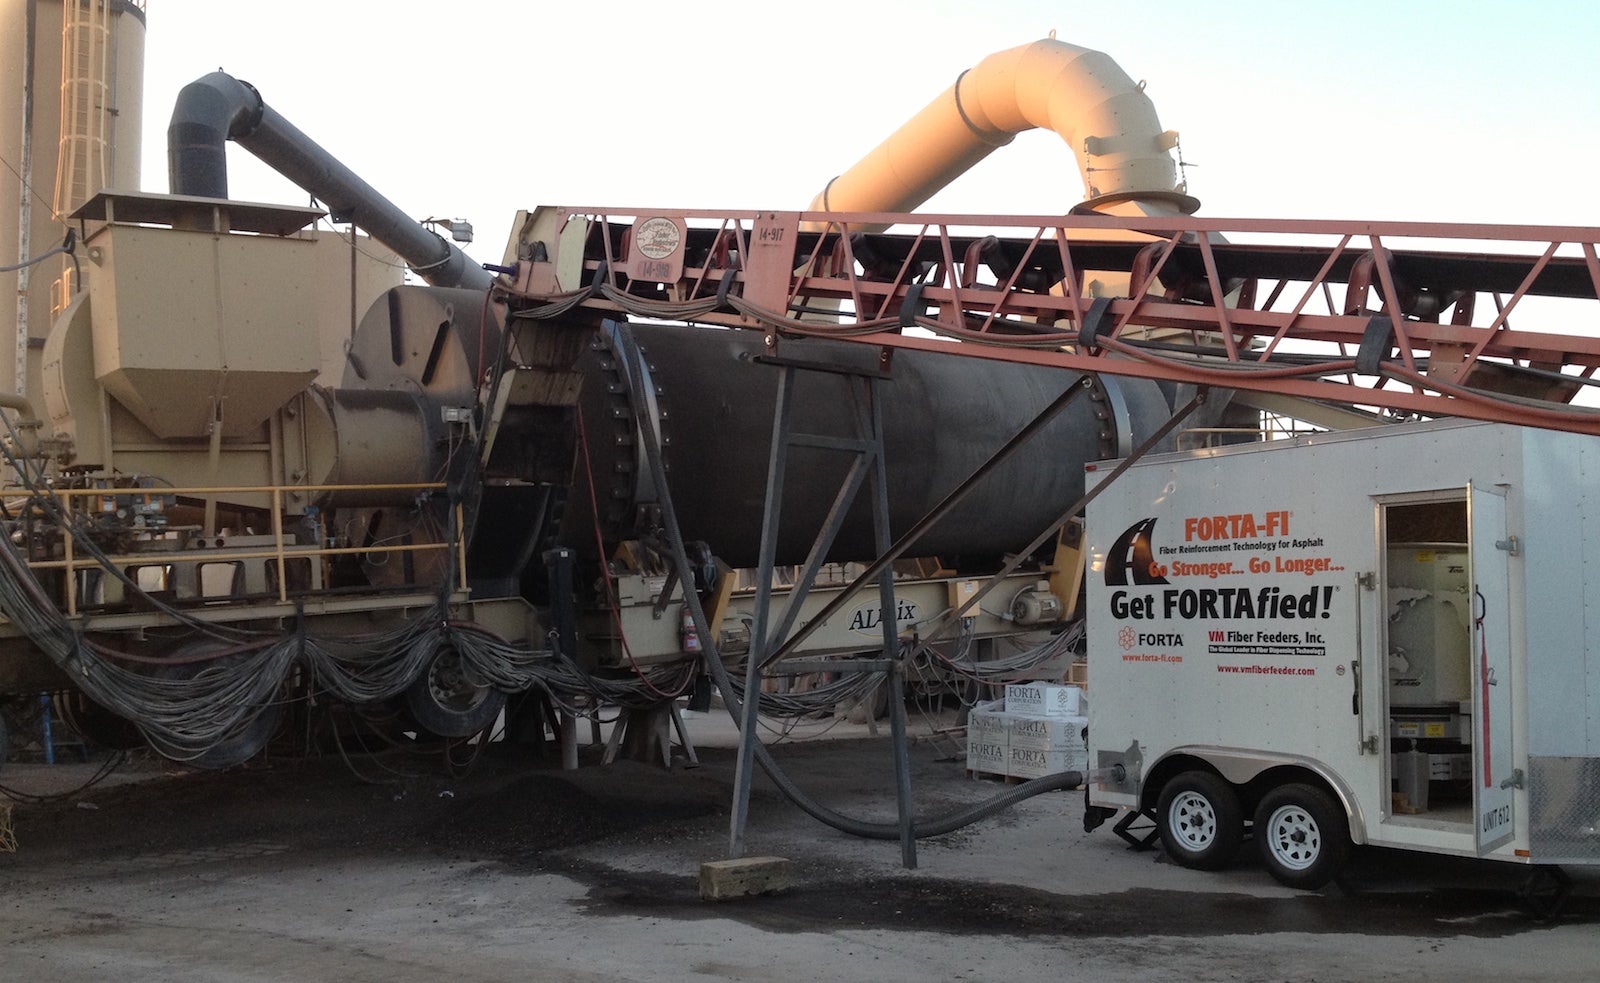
{"points": [[721, 880], [1400, 804]]}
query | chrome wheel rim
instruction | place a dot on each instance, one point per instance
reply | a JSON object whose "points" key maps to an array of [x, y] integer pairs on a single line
{"points": [[1193, 819], [1293, 837]]}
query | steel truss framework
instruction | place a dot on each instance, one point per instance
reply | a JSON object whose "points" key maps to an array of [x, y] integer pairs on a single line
{"points": [[1353, 320], [1408, 319]]}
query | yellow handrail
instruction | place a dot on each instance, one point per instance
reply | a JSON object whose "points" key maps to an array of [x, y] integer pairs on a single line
{"points": [[279, 553]]}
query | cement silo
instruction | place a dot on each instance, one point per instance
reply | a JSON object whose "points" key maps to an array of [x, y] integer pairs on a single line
{"points": [[71, 93]]}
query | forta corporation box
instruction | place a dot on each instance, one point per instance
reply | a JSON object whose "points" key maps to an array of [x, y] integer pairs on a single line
{"points": [[986, 738], [985, 756], [1034, 763], [1045, 699], [987, 719], [1045, 733]]}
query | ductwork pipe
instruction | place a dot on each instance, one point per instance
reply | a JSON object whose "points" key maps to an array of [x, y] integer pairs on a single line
{"points": [[15, 401], [217, 108], [1102, 114]]}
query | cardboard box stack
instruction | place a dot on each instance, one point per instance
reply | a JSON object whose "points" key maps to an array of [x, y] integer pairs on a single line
{"points": [[987, 746], [1037, 730], [1045, 700]]}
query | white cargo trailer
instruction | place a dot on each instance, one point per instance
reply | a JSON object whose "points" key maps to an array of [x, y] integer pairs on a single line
{"points": [[1387, 636]]}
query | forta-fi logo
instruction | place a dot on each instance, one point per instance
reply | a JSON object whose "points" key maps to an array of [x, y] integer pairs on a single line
{"points": [[1125, 638], [1131, 559]]}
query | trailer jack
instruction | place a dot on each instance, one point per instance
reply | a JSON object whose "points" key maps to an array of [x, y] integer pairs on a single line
{"points": [[1544, 892]]}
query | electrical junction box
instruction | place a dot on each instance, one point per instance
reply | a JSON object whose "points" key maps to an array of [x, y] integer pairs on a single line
{"points": [[962, 591]]}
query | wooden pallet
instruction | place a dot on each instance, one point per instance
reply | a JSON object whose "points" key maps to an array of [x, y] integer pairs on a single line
{"points": [[994, 776]]}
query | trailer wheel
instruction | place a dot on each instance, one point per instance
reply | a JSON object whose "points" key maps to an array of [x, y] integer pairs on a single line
{"points": [[233, 748], [443, 700], [1303, 834], [1200, 819]]}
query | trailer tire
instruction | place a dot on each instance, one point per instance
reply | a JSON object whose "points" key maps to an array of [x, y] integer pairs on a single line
{"points": [[1201, 821], [444, 701], [1303, 835], [233, 750], [252, 735]]}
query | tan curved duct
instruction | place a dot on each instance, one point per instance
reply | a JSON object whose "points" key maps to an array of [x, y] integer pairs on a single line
{"points": [[1081, 94]]}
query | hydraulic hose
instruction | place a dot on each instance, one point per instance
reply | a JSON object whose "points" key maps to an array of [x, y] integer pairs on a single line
{"points": [[885, 831]]}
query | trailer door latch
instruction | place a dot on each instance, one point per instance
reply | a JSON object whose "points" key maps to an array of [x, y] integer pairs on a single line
{"points": [[1511, 545], [1515, 781]]}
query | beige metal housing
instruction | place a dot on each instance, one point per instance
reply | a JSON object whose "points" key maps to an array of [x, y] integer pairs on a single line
{"points": [[206, 319], [195, 328], [655, 626]]}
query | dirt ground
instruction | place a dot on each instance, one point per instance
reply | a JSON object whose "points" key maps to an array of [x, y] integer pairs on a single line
{"points": [[396, 868]]}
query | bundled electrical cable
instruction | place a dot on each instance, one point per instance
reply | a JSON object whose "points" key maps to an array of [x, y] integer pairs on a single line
{"points": [[847, 689], [217, 682], [1011, 668]]}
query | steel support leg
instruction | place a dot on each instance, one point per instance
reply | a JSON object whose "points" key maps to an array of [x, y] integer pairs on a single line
{"points": [[766, 642], [766, 638], [892, 650], [749, 736]]}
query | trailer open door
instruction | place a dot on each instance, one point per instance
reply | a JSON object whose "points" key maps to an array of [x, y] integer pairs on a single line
{"points": [[1494, 777]]}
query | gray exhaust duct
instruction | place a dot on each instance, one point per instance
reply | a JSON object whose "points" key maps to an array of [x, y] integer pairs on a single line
{"points": [[217, 108]]}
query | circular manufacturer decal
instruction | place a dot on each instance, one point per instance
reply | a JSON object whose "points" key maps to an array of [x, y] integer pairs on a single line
{"points": [[657, 238]]}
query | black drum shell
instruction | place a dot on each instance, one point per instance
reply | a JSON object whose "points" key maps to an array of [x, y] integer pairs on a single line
{"points": [[943, 416]]}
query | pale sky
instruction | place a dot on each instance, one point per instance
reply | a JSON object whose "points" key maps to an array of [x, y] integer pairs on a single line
{"points": [[1472, 111]]}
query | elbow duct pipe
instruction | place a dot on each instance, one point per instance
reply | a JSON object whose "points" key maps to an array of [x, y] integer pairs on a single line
{"points": [[1081, 94], [16, 401], [217, 108]]}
